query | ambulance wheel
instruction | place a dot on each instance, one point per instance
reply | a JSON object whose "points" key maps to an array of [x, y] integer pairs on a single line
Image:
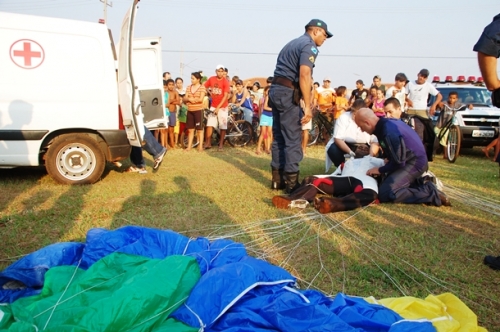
{"points": [[75, 159]]}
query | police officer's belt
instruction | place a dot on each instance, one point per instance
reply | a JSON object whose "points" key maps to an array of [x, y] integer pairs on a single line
{"points": [[284, 81]]}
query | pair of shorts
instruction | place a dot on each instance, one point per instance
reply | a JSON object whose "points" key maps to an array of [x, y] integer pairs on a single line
{"points": [[193, 120], [220, 118], [172, 119], [266, 120], [307, 126]]}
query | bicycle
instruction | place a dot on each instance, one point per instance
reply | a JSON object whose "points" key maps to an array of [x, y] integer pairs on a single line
{"points": [[321, 129], [239, 114], [451, 131], [238, 133]]}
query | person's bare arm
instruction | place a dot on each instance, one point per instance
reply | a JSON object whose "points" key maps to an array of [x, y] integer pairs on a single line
{"points": [[439, 97], [374, 149], [488, 67], [342, 145], [408, 101], [177, 98], [305, 83], [224, 98]]}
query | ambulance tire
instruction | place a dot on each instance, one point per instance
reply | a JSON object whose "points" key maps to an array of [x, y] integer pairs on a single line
{"points": [[75, 159]]}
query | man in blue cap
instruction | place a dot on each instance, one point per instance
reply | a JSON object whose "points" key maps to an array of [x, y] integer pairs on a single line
{"points": [[293, 81]]}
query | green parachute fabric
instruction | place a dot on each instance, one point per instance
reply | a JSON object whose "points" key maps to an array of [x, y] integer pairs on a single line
{"points": [[120, 292]]}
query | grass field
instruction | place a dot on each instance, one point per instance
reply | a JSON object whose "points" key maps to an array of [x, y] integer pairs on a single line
{"points": [[382, 250]]}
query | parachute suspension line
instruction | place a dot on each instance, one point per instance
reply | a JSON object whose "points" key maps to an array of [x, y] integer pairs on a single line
{"points": [[11, 258], [321, 264], [160, 313], [62, 295], [202, 326], [75, 295], [272, 238], [437, 281], [186, 247], [482, 203], [393, 280]]}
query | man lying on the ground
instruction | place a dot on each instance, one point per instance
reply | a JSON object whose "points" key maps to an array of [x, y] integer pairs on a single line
{"points": [[349, 181]]}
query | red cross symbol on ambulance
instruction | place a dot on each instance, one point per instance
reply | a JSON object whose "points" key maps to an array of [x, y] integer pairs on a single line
{"points": [[27, 53]]}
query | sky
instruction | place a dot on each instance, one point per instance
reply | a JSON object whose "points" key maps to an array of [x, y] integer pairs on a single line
{"points": [[370, 37]]}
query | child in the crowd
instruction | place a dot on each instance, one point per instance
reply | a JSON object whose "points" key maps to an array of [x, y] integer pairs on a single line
{"points": [[173, 101], [444, 116], [378, 104], [341, 102], [161, 134], [371, 97], [182, 110], [266, 125]]}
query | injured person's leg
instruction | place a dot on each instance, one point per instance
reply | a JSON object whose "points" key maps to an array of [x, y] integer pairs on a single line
{"points": [[346, 203], [309, 188]]}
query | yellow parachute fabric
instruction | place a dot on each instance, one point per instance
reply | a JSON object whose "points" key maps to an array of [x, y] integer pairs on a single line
{"points": [[446, 311]]}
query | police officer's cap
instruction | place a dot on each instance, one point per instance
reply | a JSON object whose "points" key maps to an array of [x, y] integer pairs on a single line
{"points": [[320, 24]]}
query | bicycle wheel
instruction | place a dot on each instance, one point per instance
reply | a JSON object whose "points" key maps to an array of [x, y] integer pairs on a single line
{"points": [[454, 141], [313, 134], [239, 133], [184, 139]]}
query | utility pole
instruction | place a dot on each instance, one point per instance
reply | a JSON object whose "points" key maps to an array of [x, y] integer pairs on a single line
{"points": [[106, 4], [182, 63]]}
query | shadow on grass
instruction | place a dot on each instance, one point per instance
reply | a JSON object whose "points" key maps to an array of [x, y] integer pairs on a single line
{"points": [[21, 179], [182, 210], [33, 228], [252, 165]]}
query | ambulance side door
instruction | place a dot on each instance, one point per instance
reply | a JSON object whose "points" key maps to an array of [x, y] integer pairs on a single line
{"points": [[147, 66], [130, 104]]}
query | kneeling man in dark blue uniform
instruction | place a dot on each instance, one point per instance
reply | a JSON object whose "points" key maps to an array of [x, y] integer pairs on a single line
{"points": [[406, 162], [293, 81]]}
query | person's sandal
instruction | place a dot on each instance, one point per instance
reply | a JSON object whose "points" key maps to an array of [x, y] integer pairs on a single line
{"points": [[135, 169]]}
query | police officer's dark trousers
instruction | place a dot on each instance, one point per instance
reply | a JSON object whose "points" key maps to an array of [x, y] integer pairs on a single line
{"points": [[287, 134]]}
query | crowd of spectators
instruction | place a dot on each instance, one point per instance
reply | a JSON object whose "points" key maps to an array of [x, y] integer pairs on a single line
{"points": [[184, 107]]}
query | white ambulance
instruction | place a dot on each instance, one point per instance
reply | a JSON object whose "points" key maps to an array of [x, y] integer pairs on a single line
{"points": [[65, 102]]}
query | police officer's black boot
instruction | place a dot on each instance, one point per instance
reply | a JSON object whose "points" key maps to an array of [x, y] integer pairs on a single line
{"points": [[291, 182], [277, 182]]}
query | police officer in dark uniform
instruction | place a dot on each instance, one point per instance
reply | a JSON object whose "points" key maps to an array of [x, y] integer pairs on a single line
{"points": [[488, 51], [293, 81]]}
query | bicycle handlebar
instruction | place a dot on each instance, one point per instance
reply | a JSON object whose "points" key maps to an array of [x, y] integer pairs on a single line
{"points": [[461, 108]]}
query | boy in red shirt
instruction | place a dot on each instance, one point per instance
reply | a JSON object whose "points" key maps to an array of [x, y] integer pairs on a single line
{"points": [[219, 90]]}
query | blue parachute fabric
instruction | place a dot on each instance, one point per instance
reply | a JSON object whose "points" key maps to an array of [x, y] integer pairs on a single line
{"points": [[358, 313], [224, 286], [225, 252], [148, 242], [281, 308], [30, 270]]}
